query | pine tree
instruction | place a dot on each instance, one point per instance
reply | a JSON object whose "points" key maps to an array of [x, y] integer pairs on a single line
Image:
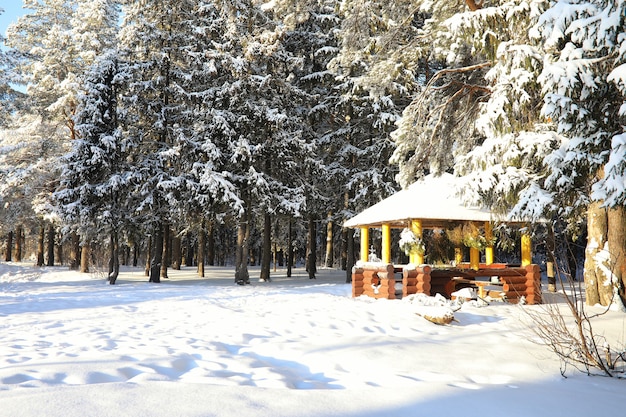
{"points": [[550, 164], [26, 176], [10, 209], [10, 99], [44, 35], [60, 39], [503, 170]]}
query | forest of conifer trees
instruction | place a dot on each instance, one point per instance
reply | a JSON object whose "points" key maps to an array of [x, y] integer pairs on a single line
{"points": [[239, 132]]}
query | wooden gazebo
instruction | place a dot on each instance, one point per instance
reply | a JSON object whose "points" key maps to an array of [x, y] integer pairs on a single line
{"points": [[432, 203]]}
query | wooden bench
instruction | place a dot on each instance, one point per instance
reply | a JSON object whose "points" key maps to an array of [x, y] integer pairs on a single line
{"points": [[481, 285]]}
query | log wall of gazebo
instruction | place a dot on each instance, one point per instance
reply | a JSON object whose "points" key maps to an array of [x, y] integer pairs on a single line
{"points": [[378, 280]]}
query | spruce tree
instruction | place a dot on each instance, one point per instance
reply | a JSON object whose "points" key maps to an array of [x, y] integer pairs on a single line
{"points": [[96, 179], [264, 111], [584, 80], [153, 38]]}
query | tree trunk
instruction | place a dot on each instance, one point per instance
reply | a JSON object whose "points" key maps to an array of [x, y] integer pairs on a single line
{"points": [[571, 253], [598, 287], [166, 250], [251, 257], [19, 238], [330, 259], [149, 256], [114, 259], [40, 244], [51, 238], [211, 244], [135, 254], [344, 249], [8, 256], [59, 253], [201, 249], [289, 247], [157, 254], [347, 240], [242, 276], [84, 258], [189, 257], [616, 225], [74, 260], [311, 259], [551, 259], [176, 253], [266, 250], [350, 261]]}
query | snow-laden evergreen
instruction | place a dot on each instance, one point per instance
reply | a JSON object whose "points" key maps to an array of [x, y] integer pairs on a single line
{"points": [[271, 135], [94, 196], [439, 122], [59, 39], [9, 98], [153, 40], [46, 64], [44, 36], [49, 60], [506, 169], [545, 163], [585, 91], [27, 172], [365, 111]]}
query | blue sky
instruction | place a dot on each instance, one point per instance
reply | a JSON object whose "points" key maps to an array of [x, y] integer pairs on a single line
{"points": [[12, 10]]}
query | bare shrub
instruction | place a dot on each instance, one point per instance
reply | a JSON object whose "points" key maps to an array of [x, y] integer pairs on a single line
{"points": [[565, 324]]}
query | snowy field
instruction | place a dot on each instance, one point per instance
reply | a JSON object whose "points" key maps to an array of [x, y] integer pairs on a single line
{"points": [[71, 345]]}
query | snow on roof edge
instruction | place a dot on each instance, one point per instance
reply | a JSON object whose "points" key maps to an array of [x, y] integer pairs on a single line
{"points": [[432, 198]]}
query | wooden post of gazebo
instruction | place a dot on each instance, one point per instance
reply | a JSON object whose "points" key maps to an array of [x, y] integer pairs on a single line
{"points": [[526, 248], [365, 239], [474, 258], [416, 228], [489, 248], [386, 243]]}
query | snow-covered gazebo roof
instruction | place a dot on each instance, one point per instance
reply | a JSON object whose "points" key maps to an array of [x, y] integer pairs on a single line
{"points": [[433, 200]]}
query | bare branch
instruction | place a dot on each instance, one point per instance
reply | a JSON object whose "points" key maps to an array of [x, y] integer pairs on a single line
{"points": [[568, 332]]}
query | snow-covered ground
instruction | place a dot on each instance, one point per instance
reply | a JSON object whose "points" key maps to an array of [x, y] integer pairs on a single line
{"points": [[71, 345]]}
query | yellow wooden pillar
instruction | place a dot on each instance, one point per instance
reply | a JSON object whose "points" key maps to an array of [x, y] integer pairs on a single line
{"points": [[416, 228], [489, 248], [474, 258], [386, 244], [527, 256], [365, 243]]}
